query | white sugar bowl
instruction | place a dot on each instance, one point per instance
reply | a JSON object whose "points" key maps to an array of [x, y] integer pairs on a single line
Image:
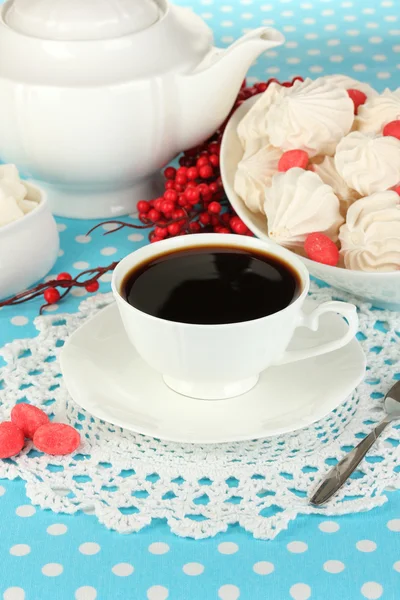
{"points": [[28, 246], [98, 95]]}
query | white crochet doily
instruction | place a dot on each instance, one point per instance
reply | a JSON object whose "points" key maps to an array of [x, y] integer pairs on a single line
{"points": [[128, 479]]}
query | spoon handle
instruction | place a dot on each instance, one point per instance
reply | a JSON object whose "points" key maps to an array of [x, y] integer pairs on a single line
{"points": [[337, 476]]}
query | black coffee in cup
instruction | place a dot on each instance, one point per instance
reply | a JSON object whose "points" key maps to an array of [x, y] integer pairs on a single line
{"points": [[211, 285]]}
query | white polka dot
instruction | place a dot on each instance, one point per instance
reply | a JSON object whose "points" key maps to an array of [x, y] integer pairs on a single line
{"points": [[387, 3], [349, 18], [51, 308], [375, 40], [83, 239], [316, 69], [287, 13], [372, 590], [247, 16], [356, 48], [366, 546], [228, 548], [328, 527], [372, 25], [81, 264], [57, 529], [383, 75], [271, 54], [20, 550], [337, 58], [26, 510], [226, 8], [306, 6], [396, 566], [225, 24], [394, 525], [333, 42], [107, 277], [353, 32], [158, 548], [293, 60], [61, 252], [297, 547], [300, 591], [78, 292], [328, 12], [347, 4], [2, 490], [394, 32], [228, 592], [207, 15], [359, 68], [314, 52], [226, 39], [263, 567], [61, 227], [311, 36], [390, 18], [157, 592], [273, 70], [52, 569], [289, 28], [89, 548], [108, 251], [14, 593], [379, 57], [19, 321], [86, 592], [123, 569], [334, 566], [193, 569], [330, 27], [368, 11], [291, 44], [396, 48]]}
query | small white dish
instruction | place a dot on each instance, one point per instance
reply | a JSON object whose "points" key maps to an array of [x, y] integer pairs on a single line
{"points": [[381, 289], [28, 247], [105, 376]]}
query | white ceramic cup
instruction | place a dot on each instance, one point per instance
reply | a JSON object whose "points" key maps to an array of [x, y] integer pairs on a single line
{"points": [[214, 362]]}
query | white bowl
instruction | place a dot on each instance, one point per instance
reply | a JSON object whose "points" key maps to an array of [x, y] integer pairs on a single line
{"points": [[28, 246], [381, 289]]}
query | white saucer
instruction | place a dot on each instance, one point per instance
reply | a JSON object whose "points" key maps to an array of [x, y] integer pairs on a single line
{"points": [[106, 377]]}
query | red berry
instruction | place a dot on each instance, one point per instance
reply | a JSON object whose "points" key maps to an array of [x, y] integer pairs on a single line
{"points": [[185, 162], [319, 247], [171, 195], [182, 171], [214, 148], [180, 188], [397, 190], [238, 226], [261, 87], [202, 162], [161, 232], [170, 173], [28, 418], [215, 220], [176, 214], [182, 201], [92, 287], [194, 227], [167, 207], [154, 239], [51, 295], [56, 439], [143, 206], [215, 208], [225, 218], [153, 215], [192, 195], [170, 185], [64, 277], [214, 160], [158, 203], [143, 218], [204, 218], [11, 440], [174, 229], [206, 172], [392, 129], [192, 173], [224, 230], [293, 158], [358, 98], [203, 188], [214, 187], [181, 179]]}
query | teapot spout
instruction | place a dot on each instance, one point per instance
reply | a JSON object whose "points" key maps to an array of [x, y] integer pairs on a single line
{"points": [[210, 91]]}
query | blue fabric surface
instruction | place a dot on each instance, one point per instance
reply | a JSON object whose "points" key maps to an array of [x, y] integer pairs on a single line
{"points": [[352, 557]]}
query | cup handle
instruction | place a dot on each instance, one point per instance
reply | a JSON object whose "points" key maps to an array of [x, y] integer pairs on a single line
{"points": [[311, 321]]}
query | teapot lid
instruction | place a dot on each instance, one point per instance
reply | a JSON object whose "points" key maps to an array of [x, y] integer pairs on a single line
{"points": [[81, 20]]}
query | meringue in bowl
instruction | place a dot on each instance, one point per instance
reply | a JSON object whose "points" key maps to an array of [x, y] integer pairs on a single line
{"points": [[382, 289], [29, 240]]}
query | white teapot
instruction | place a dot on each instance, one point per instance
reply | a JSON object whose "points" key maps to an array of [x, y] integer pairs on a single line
{"points": [[97, 95]]}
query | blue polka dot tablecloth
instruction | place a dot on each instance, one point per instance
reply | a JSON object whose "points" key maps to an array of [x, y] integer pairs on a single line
{"points": [[47, 556]]}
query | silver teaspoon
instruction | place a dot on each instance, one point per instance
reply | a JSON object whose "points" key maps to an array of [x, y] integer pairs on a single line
{"points": [[342, 471]]}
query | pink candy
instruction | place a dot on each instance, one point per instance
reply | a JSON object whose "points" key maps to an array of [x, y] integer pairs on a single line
{"points": [[56, 438], [392, 129], [11, 440], [28, 418], [358, 98], [293, 158]]}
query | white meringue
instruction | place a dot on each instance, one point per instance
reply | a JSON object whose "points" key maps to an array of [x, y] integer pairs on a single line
{"points": [[378, 111], [299, 203], [348, 83], [370, 238], [327, 172], [254, 174], [311, 116], [13, 201], [252, 128], [368, 163]]}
